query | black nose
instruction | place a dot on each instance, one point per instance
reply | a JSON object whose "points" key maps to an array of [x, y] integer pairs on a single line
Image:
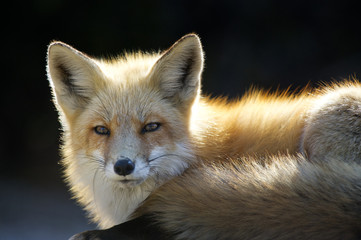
{"points": [[124, 167]]}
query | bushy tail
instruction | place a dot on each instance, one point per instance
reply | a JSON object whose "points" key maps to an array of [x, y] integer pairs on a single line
{"points": [[284, 198]]}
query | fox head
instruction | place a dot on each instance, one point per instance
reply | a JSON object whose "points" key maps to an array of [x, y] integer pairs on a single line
{"points": [[126, 119]]}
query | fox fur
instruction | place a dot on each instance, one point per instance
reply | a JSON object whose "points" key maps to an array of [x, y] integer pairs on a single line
{"points": [[316, 195], [286, 198], [313, 195], [125, 94], [334, 124]]}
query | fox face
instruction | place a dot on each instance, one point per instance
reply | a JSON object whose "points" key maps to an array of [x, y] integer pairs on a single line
{"points": [[128, 116], [125, 121], [132, 138]]}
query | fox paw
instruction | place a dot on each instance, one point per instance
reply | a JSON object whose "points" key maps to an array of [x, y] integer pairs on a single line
{"points": [[106, 234], [88, 235]]}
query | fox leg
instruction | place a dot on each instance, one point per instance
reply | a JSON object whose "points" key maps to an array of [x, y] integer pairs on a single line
{"points": [[140, 228]]}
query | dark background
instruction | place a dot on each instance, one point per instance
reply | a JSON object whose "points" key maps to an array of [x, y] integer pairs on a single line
{"points": [[269, 44]]}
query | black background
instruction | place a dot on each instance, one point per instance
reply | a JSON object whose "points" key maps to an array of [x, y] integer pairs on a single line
{"points": [[268, 44]]}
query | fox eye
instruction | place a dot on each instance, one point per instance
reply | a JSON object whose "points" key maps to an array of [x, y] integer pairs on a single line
{"points": [[151, 127], [101, 130]]}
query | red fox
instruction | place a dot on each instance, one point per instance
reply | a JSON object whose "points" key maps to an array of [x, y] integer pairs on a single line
{"points": [[132, 124]]}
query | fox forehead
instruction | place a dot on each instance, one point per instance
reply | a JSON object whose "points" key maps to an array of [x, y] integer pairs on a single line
{"points": [[126, 88], [129, 68], [121, 103]]}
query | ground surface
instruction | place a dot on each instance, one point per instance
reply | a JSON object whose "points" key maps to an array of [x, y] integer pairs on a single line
{"points": [[32, 211]]}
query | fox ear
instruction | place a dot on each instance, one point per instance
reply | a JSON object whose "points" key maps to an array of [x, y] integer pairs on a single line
{"points": [[178, 71], [72, 76]]}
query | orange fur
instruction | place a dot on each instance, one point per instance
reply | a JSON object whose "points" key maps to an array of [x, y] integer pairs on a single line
{"points": [[259, 123]]}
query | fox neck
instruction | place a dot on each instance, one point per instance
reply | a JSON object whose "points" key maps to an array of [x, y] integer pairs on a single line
{"points": [[115, 205], [105, 200]]}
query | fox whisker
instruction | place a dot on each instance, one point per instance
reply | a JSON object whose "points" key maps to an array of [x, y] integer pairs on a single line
{"points": [[164, 155]]}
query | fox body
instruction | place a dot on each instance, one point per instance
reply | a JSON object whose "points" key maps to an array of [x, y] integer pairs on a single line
{"points": [[133, 123], [313, 195], [316, 195], [287, 198]]}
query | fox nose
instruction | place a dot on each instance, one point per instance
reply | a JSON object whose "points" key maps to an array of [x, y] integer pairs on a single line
{"points": [[124, 167]]}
